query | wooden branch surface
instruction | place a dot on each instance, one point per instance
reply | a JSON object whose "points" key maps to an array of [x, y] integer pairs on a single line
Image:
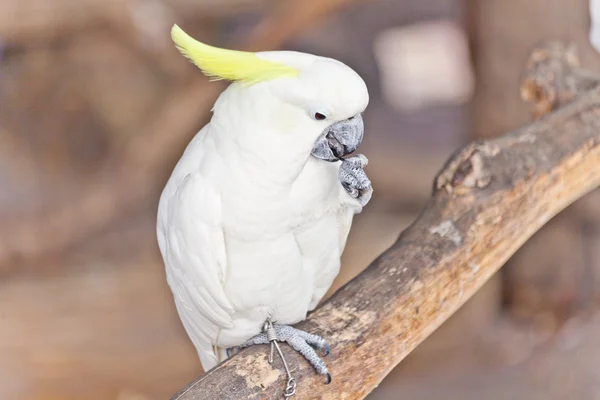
{"points": [[487, 201]]}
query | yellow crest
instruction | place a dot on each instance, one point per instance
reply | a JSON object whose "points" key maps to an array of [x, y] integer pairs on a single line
{"points": [[232, 65]]}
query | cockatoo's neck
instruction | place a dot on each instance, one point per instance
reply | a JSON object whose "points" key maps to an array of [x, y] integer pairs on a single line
{"points": [[264, 136]]}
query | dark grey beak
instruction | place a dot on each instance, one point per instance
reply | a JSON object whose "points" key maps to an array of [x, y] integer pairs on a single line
{"points": [[339, 139]]}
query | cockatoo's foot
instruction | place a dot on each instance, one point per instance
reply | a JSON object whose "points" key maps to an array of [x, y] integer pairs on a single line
{"points": [[300, 341], [355, 180]]}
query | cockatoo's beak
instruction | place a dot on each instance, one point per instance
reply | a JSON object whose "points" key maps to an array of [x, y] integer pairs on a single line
{"points": [[339, 139]]}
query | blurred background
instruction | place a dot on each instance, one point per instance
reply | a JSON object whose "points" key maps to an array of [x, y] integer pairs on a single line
{"points": [[96, 107]]}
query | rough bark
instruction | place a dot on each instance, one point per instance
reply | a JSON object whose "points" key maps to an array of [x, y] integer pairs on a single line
{"points": [[543, 281], [489, 198]]}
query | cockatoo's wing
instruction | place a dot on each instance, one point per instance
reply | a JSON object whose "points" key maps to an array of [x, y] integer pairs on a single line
{"points": [[322, 245], [345, 218], [193, 247]]}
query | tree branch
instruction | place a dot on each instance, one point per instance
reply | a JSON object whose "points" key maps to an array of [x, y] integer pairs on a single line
{"points": [[488, 200]]}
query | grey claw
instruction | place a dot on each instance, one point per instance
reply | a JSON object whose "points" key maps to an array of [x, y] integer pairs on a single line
{"points": [[303, 342], [232, 350], [354, 179], [352, 191], [326, 349], [327, 378]]}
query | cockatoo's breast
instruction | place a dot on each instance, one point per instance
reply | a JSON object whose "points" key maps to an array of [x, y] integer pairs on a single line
{"points": [[282, 243]]}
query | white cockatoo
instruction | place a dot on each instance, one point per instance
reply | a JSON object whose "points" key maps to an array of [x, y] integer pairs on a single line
{"points": [[255, 216]]}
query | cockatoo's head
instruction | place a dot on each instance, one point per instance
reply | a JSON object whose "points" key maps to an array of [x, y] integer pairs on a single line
{"points": [[321, 98]]}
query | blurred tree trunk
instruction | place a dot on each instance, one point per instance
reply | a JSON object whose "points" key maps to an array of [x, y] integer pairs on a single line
{"points": [[553, 276]]}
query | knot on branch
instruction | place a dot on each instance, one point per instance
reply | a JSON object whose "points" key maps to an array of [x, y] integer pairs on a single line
{"points": [[466, 169], [553, 77]]}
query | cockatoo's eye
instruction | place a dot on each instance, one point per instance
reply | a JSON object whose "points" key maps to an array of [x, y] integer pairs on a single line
{"points": [[319, 113]]}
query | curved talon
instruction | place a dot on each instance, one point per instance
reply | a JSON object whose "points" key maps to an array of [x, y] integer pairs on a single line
{"points": [[326, 349], [232, 350], [352, 191], [328, 378]]}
